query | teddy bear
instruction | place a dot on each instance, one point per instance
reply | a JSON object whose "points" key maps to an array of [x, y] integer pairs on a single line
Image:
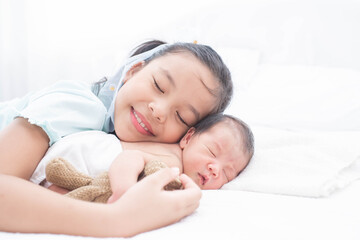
{"points": [[93, 189]]}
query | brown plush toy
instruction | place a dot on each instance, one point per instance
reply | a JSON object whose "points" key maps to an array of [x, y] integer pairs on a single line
{"points": [[98, 189]]}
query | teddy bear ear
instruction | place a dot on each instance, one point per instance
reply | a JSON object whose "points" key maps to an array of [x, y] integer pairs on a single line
{"points": [[61, 173]]}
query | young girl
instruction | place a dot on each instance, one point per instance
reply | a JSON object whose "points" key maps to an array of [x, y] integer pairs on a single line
{"points": [[156, 96]]}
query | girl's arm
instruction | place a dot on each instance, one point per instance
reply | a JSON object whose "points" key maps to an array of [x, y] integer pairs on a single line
{"points": [[22, 146], [26, 207]]}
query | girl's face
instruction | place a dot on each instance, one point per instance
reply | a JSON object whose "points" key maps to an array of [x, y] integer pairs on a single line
{"points": [[161, 100], [214, 157]]}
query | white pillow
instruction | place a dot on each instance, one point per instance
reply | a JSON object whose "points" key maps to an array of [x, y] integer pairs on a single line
{"points": [[311, 164], [301, 98], [241, 62]]}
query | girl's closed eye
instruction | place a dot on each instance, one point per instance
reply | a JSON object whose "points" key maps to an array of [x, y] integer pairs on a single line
{"points": [[157, 86], [181, 119]]}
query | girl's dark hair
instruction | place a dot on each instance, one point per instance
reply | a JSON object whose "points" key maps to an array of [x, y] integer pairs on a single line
{"points": [[146, 46], [205, 55], [240, 128]]}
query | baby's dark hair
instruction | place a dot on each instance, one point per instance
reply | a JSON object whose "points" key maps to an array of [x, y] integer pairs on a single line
{"points": [[244, 130], [205, 55]]}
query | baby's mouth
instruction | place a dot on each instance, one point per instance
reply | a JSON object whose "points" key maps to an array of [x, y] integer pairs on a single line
{"points": [[203, 179]]}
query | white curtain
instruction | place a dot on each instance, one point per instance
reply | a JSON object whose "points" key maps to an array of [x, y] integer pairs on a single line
{"points": [[13, 49], [44, 41]]}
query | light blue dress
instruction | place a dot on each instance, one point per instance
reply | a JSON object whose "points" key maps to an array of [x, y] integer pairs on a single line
{"points": [[61, 109]]}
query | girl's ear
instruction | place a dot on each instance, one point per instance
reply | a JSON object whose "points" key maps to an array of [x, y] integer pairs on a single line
{"points": [[186, 138], [134, 69]]}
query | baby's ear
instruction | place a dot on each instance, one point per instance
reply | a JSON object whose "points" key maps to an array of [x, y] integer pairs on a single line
{"points": [[186, 138], [134, 69]]}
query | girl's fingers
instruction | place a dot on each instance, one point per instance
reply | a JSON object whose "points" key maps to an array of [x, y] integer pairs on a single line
{"points": [[187, 182], [162, 177], [167, 206], [187, 199], [191, 194], [191, 189]]}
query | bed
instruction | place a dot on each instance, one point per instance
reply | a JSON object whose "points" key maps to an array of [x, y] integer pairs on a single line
{"points": [[248, 215], [296, 70]]}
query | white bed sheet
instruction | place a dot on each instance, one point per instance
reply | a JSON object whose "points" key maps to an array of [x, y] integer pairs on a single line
{"points": [[227, 214], [237, 214]]}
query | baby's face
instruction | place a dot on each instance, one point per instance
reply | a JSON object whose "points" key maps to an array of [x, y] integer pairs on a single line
{"points": [[213, 157], [161, 100]]}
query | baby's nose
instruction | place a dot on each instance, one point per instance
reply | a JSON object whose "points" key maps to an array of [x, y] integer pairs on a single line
{"points": [[214, 170]]}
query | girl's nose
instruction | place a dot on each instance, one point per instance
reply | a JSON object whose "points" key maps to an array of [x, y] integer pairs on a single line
{"points": [[214, 170], [158, 111]]}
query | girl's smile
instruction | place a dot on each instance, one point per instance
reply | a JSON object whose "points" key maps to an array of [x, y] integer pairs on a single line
{"points": [[140, 123]]}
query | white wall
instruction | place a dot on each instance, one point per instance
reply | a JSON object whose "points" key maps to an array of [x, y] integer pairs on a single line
{"points": [[42, 41]]}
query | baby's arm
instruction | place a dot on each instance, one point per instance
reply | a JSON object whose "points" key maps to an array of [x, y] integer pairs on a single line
{"points": [[124, 172], [127, 166]]}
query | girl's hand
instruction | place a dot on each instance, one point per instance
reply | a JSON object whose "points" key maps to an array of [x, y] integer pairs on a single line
{"points": [[146, 206]]}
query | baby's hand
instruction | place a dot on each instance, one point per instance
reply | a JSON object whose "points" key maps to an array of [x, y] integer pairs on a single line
{"points": [[58, 189], [124, 172], [113, 198], [116, 195], [118, 189]]}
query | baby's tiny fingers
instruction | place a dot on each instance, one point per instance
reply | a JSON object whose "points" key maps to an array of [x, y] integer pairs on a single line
{"points": [[111, 199]]}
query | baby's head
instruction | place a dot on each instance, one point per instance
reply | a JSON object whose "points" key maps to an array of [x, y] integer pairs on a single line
{"points": [[216, 150], [169, 92]]}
